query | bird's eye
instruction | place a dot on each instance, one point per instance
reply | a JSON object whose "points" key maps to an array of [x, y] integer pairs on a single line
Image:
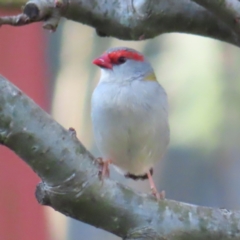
{"points": [[122, 60]]}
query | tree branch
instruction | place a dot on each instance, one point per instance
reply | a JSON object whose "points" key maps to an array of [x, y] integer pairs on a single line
{"points": [[227, 10], [71, 185], [130, 19]]}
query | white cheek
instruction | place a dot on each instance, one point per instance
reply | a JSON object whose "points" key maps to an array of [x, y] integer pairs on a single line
{"points": [[106, 75]]}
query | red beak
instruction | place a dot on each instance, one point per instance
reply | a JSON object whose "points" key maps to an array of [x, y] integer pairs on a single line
{"points": [[103, 62]]}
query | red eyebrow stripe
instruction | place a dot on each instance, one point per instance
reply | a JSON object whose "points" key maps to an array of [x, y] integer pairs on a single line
{"points": [[127, 54]]}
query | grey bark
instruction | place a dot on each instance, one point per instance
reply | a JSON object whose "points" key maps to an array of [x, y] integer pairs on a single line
{"points": [[227, 10], [70, 182], [138, 19], [68, 171]]}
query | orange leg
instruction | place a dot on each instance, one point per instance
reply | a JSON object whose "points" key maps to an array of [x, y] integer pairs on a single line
{"points": [[104, 171], [159, 196]]}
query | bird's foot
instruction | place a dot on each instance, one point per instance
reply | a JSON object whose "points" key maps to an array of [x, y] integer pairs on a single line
{"points": [[159, 196], [104, 168]]}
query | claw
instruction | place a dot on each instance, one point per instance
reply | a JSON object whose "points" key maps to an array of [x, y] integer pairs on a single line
{"points": [[104, 168]]}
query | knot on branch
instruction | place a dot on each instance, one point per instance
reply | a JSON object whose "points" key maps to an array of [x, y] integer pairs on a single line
{"points": [[143, 233], [32, 11], [35, 11], [42, 195], [43, 11]]}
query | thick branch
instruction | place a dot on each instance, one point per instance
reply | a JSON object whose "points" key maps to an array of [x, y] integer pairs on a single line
{"points": [[71, 185], [227, 10], [131, 19]]}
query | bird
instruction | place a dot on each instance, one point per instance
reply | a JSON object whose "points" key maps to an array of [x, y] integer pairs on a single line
{"points": [[129, 112]]}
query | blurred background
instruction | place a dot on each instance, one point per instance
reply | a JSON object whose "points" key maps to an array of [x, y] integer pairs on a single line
{"points": [[201, 77]]}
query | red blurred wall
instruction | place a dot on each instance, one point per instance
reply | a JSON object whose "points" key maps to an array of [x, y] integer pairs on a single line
{"points": [[22, 61]]}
